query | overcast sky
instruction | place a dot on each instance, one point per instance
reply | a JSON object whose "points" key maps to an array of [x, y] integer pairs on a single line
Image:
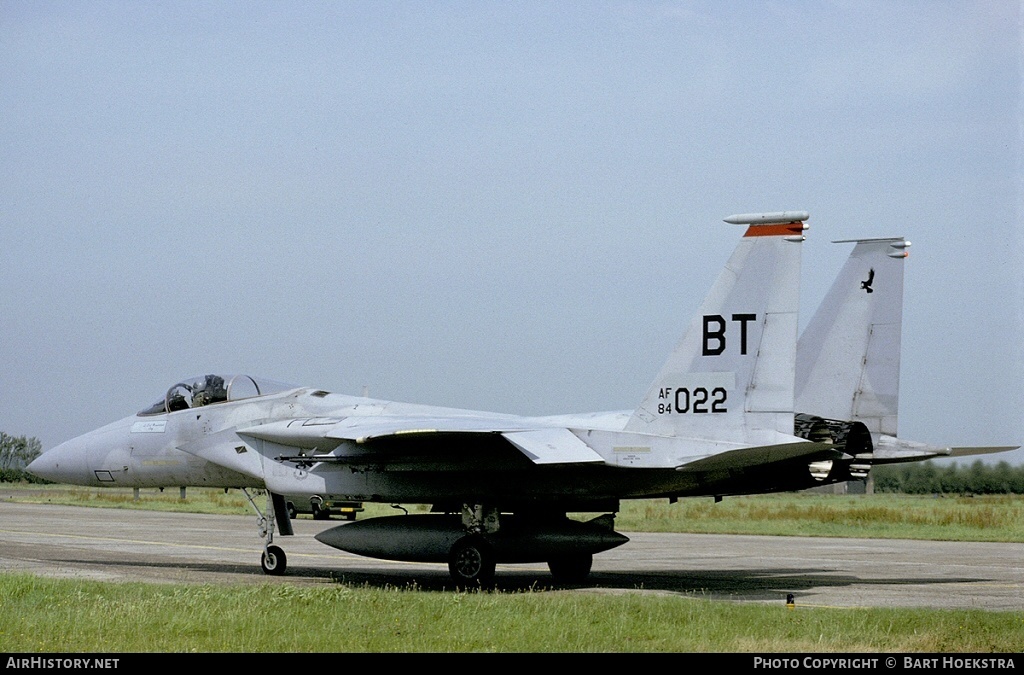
{"points": [[513, 207]]}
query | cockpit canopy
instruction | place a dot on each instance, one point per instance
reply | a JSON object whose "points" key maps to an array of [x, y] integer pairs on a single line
{"points": [[194, 392]]}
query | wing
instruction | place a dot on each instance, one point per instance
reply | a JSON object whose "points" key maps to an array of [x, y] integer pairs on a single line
{"points": [[541, 445], [469, 442]]}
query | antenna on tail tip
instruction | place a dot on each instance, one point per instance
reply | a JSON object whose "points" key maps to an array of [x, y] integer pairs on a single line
{"points": [[776, 217]]}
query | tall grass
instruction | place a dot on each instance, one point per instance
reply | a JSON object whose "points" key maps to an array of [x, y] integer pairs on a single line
{"points": [[48, 615], [992, 518]]}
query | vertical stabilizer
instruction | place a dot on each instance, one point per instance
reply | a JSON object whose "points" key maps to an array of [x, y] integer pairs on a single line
{"points": [[848, 357], [731, 376]]}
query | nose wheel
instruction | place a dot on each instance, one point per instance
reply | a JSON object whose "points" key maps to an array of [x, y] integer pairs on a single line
{"points": [[273, 561]]}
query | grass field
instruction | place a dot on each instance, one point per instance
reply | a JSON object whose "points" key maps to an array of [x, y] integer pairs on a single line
{"points": [[46, 615], [988, 518]]}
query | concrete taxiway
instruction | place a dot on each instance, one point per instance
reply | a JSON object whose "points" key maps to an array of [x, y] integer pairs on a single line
{"points": [[128, 545]]}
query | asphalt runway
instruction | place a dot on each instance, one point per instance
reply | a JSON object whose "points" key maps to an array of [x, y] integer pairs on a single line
{"points": [[126, 545]]}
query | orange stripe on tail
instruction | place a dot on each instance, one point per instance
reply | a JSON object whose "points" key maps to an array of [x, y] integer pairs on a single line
{"points": [[789, 229]]}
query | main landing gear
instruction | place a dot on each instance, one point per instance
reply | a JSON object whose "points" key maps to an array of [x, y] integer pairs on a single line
{"points": [[472, 558], [471, 562]]}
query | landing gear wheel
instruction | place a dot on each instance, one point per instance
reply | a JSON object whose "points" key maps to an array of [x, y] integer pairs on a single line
{"points": [[571, 568], [291, 511], [471, 563], [320, 513], [273, 561]]}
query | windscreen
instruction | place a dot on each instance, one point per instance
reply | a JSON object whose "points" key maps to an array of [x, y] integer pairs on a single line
{"points": [[203, 390]]}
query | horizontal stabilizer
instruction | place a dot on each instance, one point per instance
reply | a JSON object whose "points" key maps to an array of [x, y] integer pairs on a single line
{"points": [[890, 450], [980, 450], [744, 458]]}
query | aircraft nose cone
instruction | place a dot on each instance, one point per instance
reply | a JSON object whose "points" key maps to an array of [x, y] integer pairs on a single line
{"points": [[66, 463]]}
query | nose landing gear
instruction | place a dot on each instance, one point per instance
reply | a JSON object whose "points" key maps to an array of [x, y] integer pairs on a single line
{"points": [[273, 561]]}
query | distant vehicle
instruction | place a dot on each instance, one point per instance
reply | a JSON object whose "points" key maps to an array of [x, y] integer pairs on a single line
{"points": [[320, 508]]}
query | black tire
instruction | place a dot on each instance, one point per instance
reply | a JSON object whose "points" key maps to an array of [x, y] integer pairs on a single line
{"points": [[320, 513], [273, 561], [471, 563], [291, 510], [571, 568]]}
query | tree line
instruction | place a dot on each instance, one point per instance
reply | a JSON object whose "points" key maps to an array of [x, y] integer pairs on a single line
{"points": [[15, 454], [977, 478]]}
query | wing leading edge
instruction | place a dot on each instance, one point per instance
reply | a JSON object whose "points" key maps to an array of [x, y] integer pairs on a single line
{"points": [[384, 436]]}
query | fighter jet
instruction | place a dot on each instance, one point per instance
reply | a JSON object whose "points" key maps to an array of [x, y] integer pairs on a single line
{"points": [[719, 419]]}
